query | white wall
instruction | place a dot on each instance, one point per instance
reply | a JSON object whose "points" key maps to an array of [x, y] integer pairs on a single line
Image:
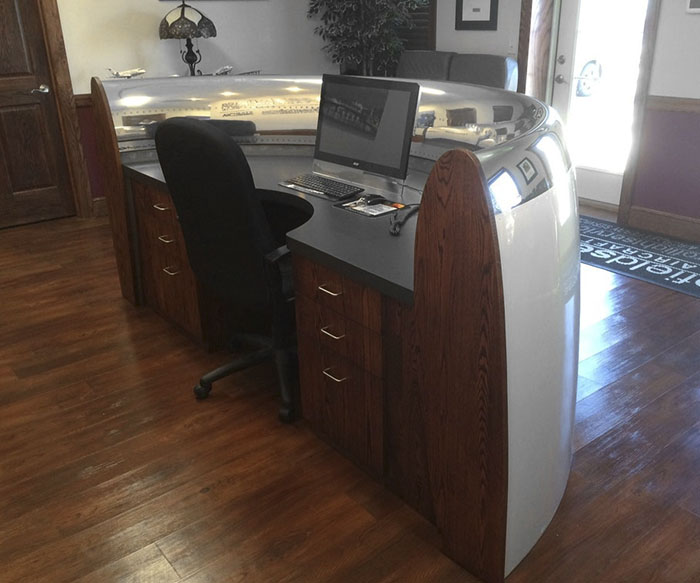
{"points": [[503, 41], [676, 67], [271, 35]]}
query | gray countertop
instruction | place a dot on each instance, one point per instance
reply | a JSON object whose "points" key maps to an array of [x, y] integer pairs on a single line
{"points": [[356, 246]]}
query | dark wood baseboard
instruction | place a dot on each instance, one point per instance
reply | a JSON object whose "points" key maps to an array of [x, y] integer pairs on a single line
{"points": [[596, 208], [668, 224], [99, 207]]}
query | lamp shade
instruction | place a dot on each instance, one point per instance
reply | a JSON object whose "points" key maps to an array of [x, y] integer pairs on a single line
{"points": [[186, 22]]}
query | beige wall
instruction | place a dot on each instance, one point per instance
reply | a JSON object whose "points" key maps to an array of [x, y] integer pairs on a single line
{"points": [[271, 35], [676, 68]]}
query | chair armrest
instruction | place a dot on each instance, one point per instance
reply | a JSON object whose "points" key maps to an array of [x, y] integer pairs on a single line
{"points": [[276, 255]]}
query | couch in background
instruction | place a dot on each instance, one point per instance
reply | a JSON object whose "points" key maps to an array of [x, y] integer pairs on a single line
{"points": [[478, 69]]}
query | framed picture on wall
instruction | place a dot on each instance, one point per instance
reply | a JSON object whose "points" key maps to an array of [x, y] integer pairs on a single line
{"points": [[477, 15], [694, 6]]}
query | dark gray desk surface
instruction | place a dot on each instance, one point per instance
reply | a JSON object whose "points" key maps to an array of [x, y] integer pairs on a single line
{"points": [[358, 247]]}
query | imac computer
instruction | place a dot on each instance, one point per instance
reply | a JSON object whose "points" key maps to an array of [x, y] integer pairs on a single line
{"points": [[364, 124]]}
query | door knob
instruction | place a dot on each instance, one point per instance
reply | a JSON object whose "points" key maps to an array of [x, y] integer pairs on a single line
{"points": [[560, 79], [43, 88]]}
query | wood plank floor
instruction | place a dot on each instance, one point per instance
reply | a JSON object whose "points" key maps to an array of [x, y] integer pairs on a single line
{"points": [[110, 471]]}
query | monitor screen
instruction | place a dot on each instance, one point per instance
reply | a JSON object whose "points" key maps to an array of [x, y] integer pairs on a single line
{"points": [[366, 123]]}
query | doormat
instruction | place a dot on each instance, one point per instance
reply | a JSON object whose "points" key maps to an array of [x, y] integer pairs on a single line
{"points": [[653, 258]]}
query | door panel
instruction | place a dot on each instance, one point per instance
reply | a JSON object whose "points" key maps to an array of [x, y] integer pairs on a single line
{"points": [[14, 57], [35, 184], [595, 79]]}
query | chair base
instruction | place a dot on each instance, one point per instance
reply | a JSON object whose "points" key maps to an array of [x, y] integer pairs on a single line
{"points": [[285, 362]]}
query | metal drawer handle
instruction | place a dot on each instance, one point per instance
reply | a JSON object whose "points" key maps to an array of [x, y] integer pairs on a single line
{"points": [[171, 271], [333, 378], [160, 207], [329, 292], [330, 334], [166, 239]]}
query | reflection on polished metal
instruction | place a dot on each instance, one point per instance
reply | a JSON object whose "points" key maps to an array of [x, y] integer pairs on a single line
{"points": [[185, 22]]}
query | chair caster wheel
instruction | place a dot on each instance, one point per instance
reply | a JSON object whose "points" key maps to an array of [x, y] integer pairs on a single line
{"points": [[201, 391], [286, 415]]}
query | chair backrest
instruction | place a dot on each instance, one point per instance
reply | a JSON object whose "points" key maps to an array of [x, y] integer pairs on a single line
{"points": [[433, 65], [223, 222], [488, 70]]}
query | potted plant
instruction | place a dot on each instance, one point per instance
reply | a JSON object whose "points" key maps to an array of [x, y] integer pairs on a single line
{"points": [[363, 35]]}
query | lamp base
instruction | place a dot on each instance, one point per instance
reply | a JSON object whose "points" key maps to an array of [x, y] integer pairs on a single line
{"points": [[191, 57]]}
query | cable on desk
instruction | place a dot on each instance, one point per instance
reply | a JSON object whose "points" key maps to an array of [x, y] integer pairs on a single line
{"points": [[398, 219]]}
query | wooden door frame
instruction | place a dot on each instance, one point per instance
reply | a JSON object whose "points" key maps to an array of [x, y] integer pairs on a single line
{"points": [[651, 26], [62, 88]]}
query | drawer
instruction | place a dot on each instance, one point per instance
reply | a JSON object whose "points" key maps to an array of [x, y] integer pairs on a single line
{"points": [[342, 403], [341, 335], [332, 290], [153, 203], [167, 282]]}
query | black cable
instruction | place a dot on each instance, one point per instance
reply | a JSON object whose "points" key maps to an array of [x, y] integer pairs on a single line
{"points": [[398, 218]]}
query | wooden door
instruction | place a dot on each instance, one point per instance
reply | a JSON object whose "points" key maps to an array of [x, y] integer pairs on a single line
{"points": [[34, 179]]}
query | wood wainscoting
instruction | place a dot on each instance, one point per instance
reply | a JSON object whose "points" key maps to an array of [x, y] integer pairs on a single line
{"points": [[661, 194], [88, 140]]}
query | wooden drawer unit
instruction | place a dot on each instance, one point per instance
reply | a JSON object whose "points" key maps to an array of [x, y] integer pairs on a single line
{"points": [[340, 355], [341, 335], [343, 403], [167, 282], [330, 289]]}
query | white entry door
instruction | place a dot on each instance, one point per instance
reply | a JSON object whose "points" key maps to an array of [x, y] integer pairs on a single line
{"points": [[595, 79]]}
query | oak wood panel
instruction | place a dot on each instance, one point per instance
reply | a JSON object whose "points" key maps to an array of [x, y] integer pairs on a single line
{"points": [[355, 301], [348, 411], [168, 284], [115, 195], [352, 341], [454, 358]]}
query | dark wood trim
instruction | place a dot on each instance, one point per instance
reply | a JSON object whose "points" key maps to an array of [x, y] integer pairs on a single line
{"points": [[675, 104], [671, 225], [524, 43], [432, 38], [63, 91], [117, 203], [537, 60], [83, 100], [640, 102], [99, 207], [452, 372]]}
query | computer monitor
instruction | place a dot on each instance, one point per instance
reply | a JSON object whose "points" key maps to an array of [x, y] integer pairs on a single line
{"points": [[366, 123]]}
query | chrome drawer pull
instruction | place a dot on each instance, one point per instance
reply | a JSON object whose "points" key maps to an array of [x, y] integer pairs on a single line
{"points": [[330, 334], [330, 376], [329, 292], [170, 271], [160, 207], [166, 239]]}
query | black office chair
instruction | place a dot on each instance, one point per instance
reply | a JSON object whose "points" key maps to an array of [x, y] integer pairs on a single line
{"points": [[235, 239]]}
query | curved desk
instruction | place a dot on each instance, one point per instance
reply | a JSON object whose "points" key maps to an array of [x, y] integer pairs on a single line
{"points": [[444, 361]]}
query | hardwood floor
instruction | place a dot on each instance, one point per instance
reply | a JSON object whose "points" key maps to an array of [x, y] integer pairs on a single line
{"points": [[111, 471]]}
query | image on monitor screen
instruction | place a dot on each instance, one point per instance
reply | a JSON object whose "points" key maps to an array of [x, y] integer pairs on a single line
{"points": [[366, 123]]}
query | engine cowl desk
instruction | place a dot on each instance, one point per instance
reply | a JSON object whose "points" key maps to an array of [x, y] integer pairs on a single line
{"points": [[443, 361]]}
